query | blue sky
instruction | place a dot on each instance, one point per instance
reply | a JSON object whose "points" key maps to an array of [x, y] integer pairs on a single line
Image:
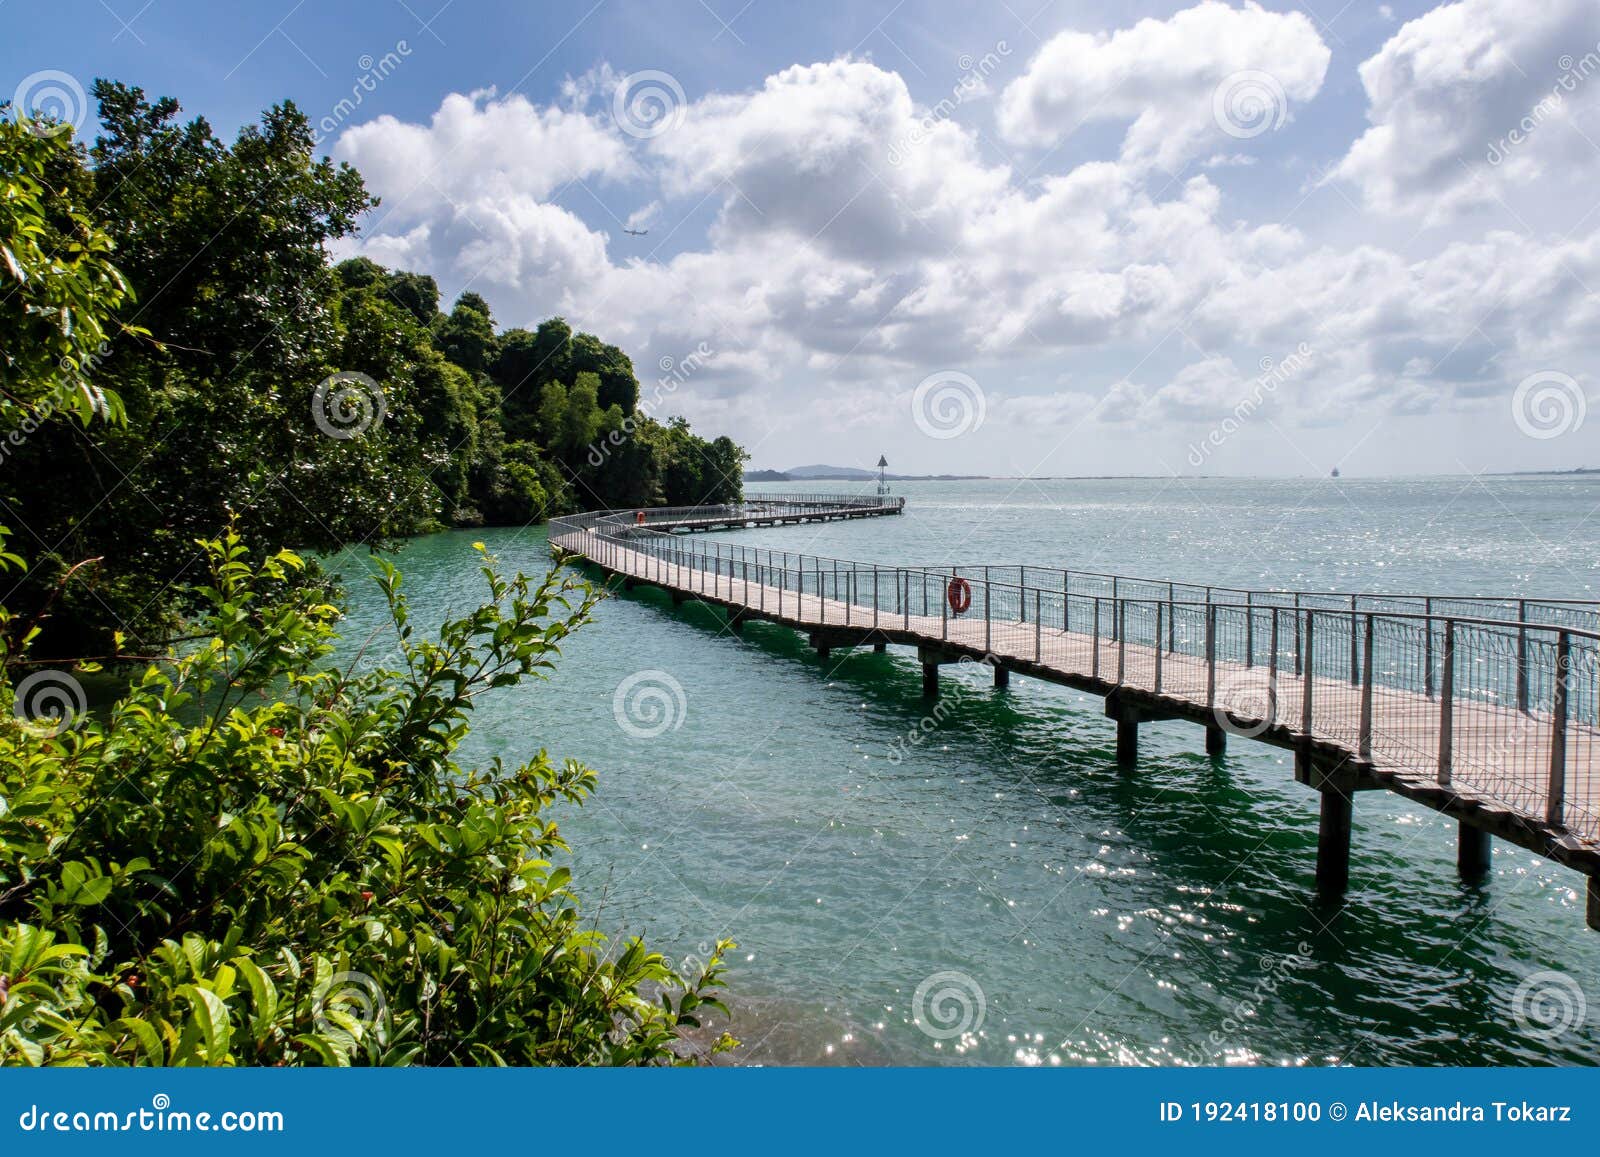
{"points": [[1009, 238]]}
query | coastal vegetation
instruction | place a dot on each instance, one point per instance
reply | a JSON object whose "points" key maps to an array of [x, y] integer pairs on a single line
{"points": [[250, 854]]}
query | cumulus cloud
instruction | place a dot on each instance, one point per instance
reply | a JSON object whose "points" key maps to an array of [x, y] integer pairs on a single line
{"points": [[859, 243], [1187, 84], [1474, 99]]}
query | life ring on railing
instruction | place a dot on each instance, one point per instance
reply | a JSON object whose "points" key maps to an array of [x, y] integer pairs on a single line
{"points": [[638, 518], [958, 593]]}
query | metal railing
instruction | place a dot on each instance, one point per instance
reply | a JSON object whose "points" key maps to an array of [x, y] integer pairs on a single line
{"points": [[1504, 709]]}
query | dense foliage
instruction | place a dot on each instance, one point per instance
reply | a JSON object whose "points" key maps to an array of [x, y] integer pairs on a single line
{"points": [[223, 365], [251, 855], [259, 858]]}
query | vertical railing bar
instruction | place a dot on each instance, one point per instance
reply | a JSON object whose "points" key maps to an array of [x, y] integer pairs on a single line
{"points": [[1365, 747], [1305, 656], [1555, 805], [1211, 654], [1447, 695]]}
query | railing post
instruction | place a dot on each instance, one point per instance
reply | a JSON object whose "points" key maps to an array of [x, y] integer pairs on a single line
{"points": [[1272, 661], [1119, 625], [1158, 649], [1038, 642], [1447, 694], [874, 597], [1427, 648], [1172, 634], [1066, 601], [1249, 629], [1298, 663], [1355, 655], [1365, 747], [1094, 669], [988, 613], [1305, 656], [1555, 805], [1211, 655], [944, 612], [1522, 656], [1116, 631]]}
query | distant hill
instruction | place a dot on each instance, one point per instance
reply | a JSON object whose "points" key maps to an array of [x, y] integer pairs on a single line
{"points": [[801, 473], [822, 473]]}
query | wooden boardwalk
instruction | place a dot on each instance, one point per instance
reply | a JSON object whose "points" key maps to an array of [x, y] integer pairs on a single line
{"points": [[1346, 698]]}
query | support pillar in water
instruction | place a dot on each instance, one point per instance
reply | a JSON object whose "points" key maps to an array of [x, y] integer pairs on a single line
{"points": [[930, 680], [1002, 675], [1216, 740], [1127, 742], [1472, 851], [1333, 843]]}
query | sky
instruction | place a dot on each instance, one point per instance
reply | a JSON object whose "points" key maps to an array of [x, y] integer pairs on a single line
{"points": [[1032, 237]]}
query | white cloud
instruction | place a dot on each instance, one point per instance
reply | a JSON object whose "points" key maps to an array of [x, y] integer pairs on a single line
{"points": [[1184, 83], [859, 243], [1475, 99]]}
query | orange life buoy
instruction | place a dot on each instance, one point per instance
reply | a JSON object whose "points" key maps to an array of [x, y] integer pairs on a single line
{"points": [[638, 518], [959, 595]]}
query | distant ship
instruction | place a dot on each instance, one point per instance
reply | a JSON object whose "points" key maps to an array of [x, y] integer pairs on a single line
{"points": [[1335, 473]]}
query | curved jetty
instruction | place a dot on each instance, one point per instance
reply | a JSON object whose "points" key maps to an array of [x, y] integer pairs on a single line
{"points": [[1485, 709]]}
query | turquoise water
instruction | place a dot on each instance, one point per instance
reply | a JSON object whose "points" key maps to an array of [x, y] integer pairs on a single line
{"points": [[1051, 909]]}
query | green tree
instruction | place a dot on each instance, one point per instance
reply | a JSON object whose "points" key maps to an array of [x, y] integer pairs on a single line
{"points": [[303, 873]]}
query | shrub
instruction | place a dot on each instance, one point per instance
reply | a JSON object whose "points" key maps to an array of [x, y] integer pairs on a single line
{"points": [[256, 857]]}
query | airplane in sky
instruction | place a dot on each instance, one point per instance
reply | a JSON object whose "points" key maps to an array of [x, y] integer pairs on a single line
{"points": [[636, 232]]}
